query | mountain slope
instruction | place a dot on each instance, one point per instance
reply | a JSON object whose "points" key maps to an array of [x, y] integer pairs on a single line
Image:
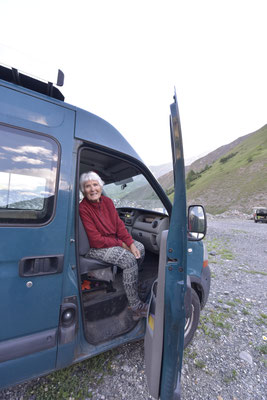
{"points": [[166, 178], [211, 157], [160, 170], [238, 180]]}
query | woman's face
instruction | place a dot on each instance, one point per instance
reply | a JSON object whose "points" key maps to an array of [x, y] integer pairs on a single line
{"points": [[92, 191]]}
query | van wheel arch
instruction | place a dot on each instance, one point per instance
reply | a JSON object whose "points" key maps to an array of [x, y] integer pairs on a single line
{"points": [[191, 323]]}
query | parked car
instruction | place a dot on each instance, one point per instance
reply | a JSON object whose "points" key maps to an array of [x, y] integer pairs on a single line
{"points": [[51, 318], [260, 214]]}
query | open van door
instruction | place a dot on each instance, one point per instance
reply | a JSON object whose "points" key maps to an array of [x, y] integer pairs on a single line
{"points": [[164, 340]]}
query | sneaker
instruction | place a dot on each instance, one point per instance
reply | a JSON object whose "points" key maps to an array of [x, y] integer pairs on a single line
{"points": [[140, 311]]}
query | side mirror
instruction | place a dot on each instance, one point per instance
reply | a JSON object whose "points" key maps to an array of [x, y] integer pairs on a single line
{"points": [[197, 222]]}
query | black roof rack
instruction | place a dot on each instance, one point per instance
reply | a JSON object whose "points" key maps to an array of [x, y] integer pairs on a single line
{"points": [[12, 75]]}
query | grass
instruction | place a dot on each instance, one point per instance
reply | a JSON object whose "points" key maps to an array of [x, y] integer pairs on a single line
{"points": [[238, 301], [262, 320], [231, 303], [221, 248], [199, 364], [253, 272], [190, 354], [213, 244], [236, 181], [262, 349], [72, 382], [238, 231], [209, 323], [230, 377], [227, 254]]}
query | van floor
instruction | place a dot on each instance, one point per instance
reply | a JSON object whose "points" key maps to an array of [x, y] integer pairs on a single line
{"points": [[107, 314]]}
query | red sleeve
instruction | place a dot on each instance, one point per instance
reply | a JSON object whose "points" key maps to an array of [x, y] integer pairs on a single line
{"points": [[95, 238]]}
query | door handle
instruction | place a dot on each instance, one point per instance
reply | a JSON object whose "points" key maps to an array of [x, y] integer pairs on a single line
{"points": [[41, 265]]}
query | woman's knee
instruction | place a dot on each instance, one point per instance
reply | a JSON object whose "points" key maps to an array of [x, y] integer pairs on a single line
{"points": [[128, 260], [140, 246]]}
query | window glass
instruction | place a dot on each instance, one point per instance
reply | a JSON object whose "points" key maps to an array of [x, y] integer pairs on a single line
{"points": [[134, 192], [28, 169]]}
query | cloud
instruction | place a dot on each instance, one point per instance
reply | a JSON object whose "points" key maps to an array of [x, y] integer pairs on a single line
{"points": [[27, 160], [30, 149]]}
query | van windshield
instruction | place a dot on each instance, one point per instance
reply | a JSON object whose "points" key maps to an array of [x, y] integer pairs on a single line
{"points": [[134, 192]]}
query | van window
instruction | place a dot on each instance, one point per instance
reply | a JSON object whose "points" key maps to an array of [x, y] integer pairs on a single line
{"points": [[135, 192], [28, 171]]}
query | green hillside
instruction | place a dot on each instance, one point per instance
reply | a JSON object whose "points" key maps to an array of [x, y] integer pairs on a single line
{"points": [[236, 181]]}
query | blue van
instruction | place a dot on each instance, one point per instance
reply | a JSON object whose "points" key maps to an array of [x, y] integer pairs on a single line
{"points": [[57, 306]]}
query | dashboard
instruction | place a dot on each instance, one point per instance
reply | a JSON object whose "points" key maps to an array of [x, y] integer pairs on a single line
{"points": [[145, 226]]}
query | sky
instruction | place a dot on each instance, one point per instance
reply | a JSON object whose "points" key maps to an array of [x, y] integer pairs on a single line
{"points": [[122, 60]]}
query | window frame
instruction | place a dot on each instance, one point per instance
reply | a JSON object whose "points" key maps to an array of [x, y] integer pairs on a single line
{"points": [[58, 163], [136, 163]]}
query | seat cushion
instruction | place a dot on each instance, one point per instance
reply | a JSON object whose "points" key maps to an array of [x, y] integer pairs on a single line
{"points": [[90, 264]]}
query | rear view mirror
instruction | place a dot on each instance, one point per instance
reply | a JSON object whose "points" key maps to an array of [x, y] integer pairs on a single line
{"points": [[197, 222]]}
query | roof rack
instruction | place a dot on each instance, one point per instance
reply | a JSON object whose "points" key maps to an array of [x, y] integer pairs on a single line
{"points": [[13, 75]]}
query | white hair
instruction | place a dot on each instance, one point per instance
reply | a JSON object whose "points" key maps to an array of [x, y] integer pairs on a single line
{"points": [[90, 176]]}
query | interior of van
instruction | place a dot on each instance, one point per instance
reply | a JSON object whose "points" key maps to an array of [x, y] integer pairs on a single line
{"points": [[145, 213]]}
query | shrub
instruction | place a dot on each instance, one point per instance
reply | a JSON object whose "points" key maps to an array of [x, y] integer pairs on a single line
{"points": [[226, 158]]}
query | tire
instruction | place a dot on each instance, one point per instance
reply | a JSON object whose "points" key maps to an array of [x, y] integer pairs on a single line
{"points": [[191, 323]]}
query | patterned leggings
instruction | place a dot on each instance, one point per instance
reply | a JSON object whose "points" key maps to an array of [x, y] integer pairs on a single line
{"points": [[128, 263]]}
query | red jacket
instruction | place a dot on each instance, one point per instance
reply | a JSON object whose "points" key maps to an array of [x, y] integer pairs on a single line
{"points": [[102, 224]]}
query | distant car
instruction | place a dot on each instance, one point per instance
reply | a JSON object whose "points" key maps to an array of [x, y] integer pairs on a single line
{"points": [[260, 214]]}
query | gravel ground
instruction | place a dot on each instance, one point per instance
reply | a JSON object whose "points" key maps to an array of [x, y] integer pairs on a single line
{"points": [[227, 358]]}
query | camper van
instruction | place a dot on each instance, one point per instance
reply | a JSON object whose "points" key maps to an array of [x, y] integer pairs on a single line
{"points": [[59, 307]]}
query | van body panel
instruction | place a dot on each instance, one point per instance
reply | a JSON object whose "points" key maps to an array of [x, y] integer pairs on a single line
{"points": [[176, 271], [31, 366], [16, 106], [20, 347], [194, 257], [94, 129], [164, 338], [31, 299]]}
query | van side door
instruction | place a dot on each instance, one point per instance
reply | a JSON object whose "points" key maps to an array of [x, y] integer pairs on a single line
{"points": [[164, 339], [36, 144]]}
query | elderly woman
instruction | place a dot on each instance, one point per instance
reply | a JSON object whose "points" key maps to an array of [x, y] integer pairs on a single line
{"points": [[109, 239]]}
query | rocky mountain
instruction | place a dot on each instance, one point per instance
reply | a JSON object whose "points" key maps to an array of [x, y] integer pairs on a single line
{"points": [[210, 158], [233, 177], [164, 172], [160, 170], [230, 178]]}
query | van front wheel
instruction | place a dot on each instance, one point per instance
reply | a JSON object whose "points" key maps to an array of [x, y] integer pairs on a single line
{"points": [[191, 323]]}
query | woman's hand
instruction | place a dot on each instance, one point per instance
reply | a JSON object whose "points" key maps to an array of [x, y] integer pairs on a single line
{"points": [[134, 250], [124, 245]]}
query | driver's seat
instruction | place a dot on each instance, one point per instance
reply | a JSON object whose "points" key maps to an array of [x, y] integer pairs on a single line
{"points": [[88, 264]]}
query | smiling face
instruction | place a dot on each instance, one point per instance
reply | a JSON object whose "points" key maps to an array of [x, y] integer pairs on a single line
{"points": [[92, 191]]}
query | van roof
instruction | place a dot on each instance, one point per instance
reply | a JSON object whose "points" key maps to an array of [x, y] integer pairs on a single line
{"points": [[13, 75], [87, 125]]}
